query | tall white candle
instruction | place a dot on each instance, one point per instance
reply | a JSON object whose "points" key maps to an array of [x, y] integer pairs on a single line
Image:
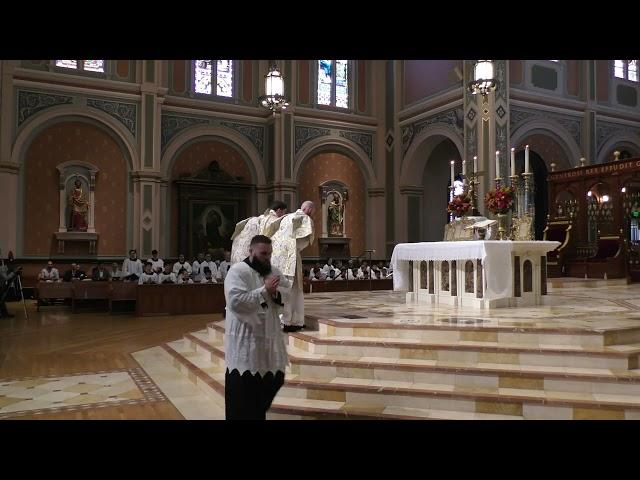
{"points": [[475, 164], [526, 159], [452, 163], [513, 162], [497, 163], [464, 168]]}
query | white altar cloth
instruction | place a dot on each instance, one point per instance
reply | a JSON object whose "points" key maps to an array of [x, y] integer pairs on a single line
{"points": [[495, 255]]}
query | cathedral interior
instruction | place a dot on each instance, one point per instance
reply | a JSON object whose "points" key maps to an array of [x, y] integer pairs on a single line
{"points": [[99, 157]]}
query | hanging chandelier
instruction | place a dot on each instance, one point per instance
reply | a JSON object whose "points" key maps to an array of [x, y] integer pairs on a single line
{"points": [[483, 78], [274, 98]]}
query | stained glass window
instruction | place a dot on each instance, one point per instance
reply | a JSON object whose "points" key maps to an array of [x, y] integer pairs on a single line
{"points": [[333, 83], [342, 83], [224, 75], [203, 76], [627, 69], [208, 70], [94, 65], [67, 63], [632, 70], [86, 65], [325, 80]]}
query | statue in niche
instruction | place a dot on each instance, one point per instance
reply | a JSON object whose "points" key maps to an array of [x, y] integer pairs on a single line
{"points": [[79, 208], [336, 216]]}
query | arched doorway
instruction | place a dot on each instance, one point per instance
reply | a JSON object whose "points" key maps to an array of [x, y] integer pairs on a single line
{"points": [[436, 179]]}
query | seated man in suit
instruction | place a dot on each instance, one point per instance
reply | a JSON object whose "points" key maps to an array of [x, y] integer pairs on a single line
{"points": [[74, 274], [99, 273]]}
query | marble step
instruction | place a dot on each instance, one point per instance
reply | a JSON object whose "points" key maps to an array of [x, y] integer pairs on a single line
{"points": [[622, 357], [575, 372], [531, 403], [211, 381], [306, 409], [466, 329]]}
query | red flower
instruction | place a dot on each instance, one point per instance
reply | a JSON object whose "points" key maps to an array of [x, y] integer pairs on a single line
{"points": [[459, 206], [500, 200]]}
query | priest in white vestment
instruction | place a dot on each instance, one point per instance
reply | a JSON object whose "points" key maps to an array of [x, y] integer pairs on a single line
{"points": [[266, 224], [293, 236]]}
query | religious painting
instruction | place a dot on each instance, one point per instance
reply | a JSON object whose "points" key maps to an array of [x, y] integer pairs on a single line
{"points": [[212, 224]]}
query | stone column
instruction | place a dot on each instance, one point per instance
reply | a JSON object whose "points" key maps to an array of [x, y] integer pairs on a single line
{"points": [[486, 128], [63, 207]]}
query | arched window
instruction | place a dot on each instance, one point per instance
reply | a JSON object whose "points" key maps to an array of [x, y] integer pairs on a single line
{"points": [[210, 72], [627, 69], [334, 78], [82, 65]]}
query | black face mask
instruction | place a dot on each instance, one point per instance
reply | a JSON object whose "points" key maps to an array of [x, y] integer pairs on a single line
{"points": [[262, 268]]}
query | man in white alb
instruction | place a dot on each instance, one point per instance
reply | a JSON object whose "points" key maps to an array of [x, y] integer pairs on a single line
{"points": [[157, 264], [148, 276], [132, 267], [265, 224], [224, 266], [197, 267], [293, 236], [181, 263], [255, 350]]}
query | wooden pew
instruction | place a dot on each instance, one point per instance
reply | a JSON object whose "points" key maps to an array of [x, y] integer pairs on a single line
{"points": [[89, 291], [52, 290], [170, 299]]}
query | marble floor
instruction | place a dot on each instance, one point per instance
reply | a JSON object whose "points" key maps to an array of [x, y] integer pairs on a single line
{"points": [[47, 395], [367, 355], [373, 356]]}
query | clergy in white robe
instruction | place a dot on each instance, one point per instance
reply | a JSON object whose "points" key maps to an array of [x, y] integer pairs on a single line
{"points": [[266, 224], [167, 276], [148, 276], [197, 268], [293, 236], [132, 266], [181, 263], [157, 264], [255, 348]]}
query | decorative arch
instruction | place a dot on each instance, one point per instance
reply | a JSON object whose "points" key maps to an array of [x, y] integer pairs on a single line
{"points": [[553, 130], [416, 158], [52, 116], [209, 132], [342, 145], [618, 142]]}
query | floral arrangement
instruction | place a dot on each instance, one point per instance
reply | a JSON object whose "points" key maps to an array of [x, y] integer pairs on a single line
{"points": [[459, 206], [500, 200]]}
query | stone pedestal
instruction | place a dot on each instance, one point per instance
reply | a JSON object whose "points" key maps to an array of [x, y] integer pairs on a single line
{"points": [[334, 247], [80, 237]]}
